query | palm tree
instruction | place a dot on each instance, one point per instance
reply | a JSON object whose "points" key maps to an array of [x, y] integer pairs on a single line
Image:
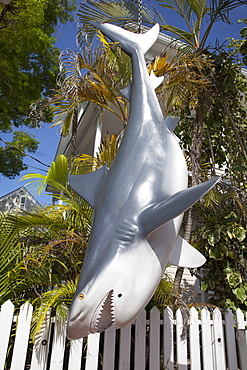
{"points": [[42, 251]]}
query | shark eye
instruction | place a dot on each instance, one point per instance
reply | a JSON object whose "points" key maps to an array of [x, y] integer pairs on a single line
{"points": [[119, 295], [81, 296]]}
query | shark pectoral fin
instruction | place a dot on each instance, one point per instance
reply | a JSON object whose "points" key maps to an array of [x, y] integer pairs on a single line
{"points": [[87, 185], [184, 255], [163, 212]]}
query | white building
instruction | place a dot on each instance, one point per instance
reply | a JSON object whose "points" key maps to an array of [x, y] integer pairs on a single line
{"points": [[17, 200]]}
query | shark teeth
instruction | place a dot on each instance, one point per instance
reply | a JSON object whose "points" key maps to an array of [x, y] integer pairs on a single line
{"points": [[104, 315]]}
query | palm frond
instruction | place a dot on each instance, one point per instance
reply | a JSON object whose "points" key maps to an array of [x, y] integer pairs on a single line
{"points": [[36, 246], [180, 34], [218, 10], [199, 8], [91, 75], [58, 172], [163, 295], [194, 13], [181, 7], [58, 298], [184, 78], [107, 152]]}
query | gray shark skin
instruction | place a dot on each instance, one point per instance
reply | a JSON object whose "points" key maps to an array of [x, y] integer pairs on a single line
{"points": [[138, 207]]}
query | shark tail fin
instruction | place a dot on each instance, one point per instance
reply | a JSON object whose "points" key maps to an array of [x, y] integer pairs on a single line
{"points": [[129, 40]]}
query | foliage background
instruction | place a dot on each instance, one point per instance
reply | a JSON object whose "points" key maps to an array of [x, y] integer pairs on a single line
{"points": [[28, 65]]}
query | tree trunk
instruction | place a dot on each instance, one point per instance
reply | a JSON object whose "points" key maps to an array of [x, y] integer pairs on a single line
{"points": [[180, 270], [74, 133], [196, 152]]}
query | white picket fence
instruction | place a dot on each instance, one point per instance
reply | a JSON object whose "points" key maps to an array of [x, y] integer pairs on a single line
{"points": [[211, 342]]}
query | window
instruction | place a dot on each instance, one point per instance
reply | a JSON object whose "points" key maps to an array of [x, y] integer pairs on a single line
{"points": [[23, 201]]}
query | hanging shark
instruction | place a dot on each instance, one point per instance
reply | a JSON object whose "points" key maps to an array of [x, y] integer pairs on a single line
{"points": [[138, 206]]}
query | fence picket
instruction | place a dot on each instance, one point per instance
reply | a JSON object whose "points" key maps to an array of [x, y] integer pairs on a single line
{"points": [[241, 335], [230, 341], [75, 354], [154, 339], [41, 345], [92, 351], [219, 345], [140, 341], [6, 317], [58, 345], [109, 350], [181, 342], [240, 319], [168, 353], [21, 337], [207, 354], [194, 340], [124, 350]]}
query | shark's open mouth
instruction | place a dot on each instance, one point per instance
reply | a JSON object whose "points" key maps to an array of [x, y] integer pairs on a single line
{"points": [[104, 315]]}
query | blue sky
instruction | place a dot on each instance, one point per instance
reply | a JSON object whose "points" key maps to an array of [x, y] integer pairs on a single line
{"points": [[65, 34]]}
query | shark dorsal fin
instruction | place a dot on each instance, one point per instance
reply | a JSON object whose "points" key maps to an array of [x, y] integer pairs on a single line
{"points": [[88, 185], [171, 122], [165, 211], [184, 255], [156, 81]]}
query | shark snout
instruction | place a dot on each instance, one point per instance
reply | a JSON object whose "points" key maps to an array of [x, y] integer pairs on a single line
{"points": [[84, 318]]}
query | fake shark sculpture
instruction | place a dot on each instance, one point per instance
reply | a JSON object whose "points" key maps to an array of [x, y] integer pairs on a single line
{"points": [[138, 206]]}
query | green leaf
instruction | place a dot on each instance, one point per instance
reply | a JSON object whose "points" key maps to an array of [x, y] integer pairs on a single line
{"points": [[215, 253], [229, 233], [239, 233], [234, 279], [231, 304], [243, 32], [214, 237], [204, 286], [180, 34], [240, 293], [211, 284]]}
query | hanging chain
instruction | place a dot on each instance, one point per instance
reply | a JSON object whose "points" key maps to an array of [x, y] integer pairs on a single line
{"points": [[139, 22]]}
